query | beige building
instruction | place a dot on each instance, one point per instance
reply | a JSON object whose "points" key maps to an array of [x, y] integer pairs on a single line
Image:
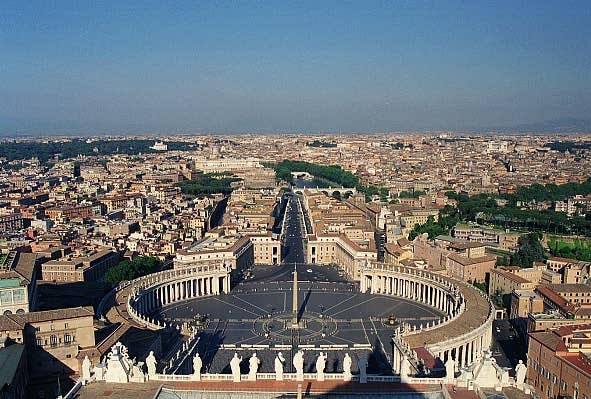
{"points": [[524, 303], [505, 280], [267, 250], [470, 269], [556, 264], [575, 273], [396, 252], [53, 338], [573, 293], [338, 249], [237, 253], [496, 238], [90, 267]]}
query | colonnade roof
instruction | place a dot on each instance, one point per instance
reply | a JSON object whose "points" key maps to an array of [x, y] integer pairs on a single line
{"points": [[475, 315]]}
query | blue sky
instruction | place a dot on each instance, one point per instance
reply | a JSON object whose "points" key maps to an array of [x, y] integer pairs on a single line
{"points": [[251, 66]]}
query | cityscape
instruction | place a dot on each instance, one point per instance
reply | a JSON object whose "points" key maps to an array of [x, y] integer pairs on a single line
{"points": [[282, 208]]}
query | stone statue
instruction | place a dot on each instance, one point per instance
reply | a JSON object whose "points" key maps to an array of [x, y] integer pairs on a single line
{"points": [[235, 367], [347, 362], [197, 364], [298, 363], [404, 368], [253, 364], [320, 365], [362, 364], [151, 364], [86, 366], [279, 360], [520, 371], [118, 369], [450, 368]]}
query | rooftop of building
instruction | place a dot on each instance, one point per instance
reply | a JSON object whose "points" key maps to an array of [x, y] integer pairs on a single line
{"points": [[549, 340], [562, 260], [10, 357], [569, 287], [471, 261]]}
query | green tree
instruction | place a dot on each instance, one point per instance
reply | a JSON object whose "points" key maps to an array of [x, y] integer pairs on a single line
{"points": [[129, 270], [530, 250]]}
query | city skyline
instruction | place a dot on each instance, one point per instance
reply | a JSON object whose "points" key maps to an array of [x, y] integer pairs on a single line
{"points": [[272, 68]]}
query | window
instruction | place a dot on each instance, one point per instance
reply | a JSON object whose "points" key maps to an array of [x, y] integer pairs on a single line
{"points": [[39, 341], [66, 325], [53, 341], [67, 339], [52, 327], [37, 329]]}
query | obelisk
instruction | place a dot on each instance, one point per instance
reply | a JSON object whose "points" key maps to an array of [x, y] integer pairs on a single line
{"points": [[294, 321]]}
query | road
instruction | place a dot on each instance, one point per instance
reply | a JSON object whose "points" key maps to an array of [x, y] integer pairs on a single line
{"points": [[294, 232], [507, 347]]}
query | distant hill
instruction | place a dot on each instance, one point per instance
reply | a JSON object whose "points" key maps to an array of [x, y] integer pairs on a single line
{"points": [[562, 125]]}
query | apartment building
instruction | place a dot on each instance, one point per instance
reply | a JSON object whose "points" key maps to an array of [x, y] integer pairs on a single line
{"points": [[67, 212], [11, 222]]}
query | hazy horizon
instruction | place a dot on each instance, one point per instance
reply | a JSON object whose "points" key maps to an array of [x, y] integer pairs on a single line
{"points": [[142, 68]]}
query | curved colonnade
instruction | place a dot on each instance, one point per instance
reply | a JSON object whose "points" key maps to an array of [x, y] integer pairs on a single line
{"points": [[462, 335], [153, 291]]}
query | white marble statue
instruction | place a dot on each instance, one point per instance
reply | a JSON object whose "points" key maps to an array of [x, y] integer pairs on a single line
{"points": [[520, 371], [118, 367], [347, 362], [404, 368], [235, 367], [279, 361], [253, 367], [362, 364], [320, 366], [86, 366], [197, 364], [298, 364], [487, 374], [151, 364], [450, 368]]}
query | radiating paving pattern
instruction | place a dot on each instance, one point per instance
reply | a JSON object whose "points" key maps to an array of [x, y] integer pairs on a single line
{"points": [[332, 311]]}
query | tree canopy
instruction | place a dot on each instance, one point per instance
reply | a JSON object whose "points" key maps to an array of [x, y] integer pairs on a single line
{"points": [[208, 184], [128, 270], [334, 173], [14, 150], [530, 251]]}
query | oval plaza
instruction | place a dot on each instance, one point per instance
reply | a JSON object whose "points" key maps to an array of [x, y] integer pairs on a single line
{"points": [[326, 310]]}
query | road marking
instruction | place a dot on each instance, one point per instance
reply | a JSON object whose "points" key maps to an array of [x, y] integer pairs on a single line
{"points": [[237, 307], [340, 303], [365, 333], [357, 304], [253, 305]]}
